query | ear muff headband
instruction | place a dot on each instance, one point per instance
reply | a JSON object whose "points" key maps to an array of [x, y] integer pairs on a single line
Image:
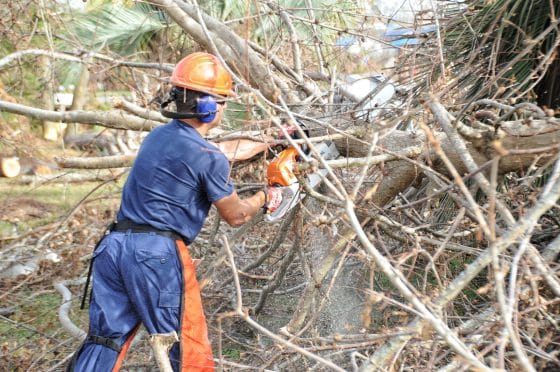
{"points": [[206, 108]]}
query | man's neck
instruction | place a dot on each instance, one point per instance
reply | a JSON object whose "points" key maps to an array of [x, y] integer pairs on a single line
{"points": [[200, 127]]}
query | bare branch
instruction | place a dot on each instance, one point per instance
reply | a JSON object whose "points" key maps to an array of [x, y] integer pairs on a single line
{"points": [[109, 119]]}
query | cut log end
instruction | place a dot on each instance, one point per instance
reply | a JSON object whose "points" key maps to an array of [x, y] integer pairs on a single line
{"points": [[10, 167]]}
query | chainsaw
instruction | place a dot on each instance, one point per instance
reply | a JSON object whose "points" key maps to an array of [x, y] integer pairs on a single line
{"points": [[280, 173]]}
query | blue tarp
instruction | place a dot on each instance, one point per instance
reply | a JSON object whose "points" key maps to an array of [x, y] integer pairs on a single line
{"points": [[402, 36], [396, 35]]}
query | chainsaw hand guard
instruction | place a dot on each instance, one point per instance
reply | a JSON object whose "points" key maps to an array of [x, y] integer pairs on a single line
{"points": [[280, 200], [280, 171]]}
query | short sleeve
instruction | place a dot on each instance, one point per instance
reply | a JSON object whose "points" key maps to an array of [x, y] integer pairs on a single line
{"points": [[216, 180]]}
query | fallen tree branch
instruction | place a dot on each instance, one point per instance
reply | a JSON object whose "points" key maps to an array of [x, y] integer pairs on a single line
{"points": [[513, 233], [109, 119], [66, 178], [100, 162]]}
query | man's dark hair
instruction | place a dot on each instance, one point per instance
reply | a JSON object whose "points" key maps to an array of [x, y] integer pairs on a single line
{"points": [[185, 99], [186, 104]]}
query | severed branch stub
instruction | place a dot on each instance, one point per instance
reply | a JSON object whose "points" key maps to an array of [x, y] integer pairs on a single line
{"points": [[161, 343]]}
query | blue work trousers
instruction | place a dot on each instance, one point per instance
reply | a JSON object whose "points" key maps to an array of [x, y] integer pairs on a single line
{"points": [[149, 279]]}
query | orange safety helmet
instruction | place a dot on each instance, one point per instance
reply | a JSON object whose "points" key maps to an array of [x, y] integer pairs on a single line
{"points": [[202, 72]]}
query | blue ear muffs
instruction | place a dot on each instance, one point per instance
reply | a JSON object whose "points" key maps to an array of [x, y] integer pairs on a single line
{"points": [[206, 108]]}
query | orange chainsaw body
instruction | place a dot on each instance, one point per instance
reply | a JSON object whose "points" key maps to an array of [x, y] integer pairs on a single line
{"points": [[280, 171]]}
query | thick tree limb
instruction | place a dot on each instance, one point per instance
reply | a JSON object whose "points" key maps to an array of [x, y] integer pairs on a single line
{"points": [[109, 119], [101, 162], [546, 133]]}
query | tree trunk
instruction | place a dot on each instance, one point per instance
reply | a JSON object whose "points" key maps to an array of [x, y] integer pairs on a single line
{"points": [[51, 129], [80, 97]]}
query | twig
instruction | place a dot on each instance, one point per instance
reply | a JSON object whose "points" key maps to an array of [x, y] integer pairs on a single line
{"points": [[142, 112], [296, 52], [281, 271]]}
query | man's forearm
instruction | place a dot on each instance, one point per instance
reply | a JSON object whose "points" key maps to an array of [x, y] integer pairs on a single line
{"points": [[236, 211], [241, 149]]}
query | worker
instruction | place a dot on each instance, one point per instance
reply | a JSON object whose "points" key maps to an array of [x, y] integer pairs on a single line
{"points": [[142, 270]]}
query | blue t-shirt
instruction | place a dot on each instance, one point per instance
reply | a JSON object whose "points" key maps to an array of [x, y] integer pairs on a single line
{"points": [[175, 178]]}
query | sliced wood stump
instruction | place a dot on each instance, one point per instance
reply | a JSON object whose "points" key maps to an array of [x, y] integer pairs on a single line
{"points": [[9, 166]]}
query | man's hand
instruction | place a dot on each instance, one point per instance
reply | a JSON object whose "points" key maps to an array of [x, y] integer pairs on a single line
{"points": [[280, 200]]}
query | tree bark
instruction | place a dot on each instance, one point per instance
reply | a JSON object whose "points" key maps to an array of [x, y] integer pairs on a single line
{"points": [[80, 96], [115, 119], [115, 161]]}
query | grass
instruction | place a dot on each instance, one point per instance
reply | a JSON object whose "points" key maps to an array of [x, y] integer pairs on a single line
{"points": [[32, 332], [27, 207], [37, 318], [232, 353]]}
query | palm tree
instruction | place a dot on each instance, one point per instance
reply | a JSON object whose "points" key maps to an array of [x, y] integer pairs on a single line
{"points": [[125, 30], [502, 49], [507, 49]]}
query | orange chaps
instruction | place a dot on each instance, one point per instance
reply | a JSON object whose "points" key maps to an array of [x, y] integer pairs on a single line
{"points": [[194, 345]]}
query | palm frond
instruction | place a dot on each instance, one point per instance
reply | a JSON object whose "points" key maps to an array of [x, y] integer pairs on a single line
{"points": [[123, 30], [507, 37], [499, 49]]}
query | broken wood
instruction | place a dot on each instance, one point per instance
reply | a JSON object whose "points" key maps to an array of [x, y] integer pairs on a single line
{"points": [[161, 343], [10, 166], [36, 167], [93, 142], [98, 176]]}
